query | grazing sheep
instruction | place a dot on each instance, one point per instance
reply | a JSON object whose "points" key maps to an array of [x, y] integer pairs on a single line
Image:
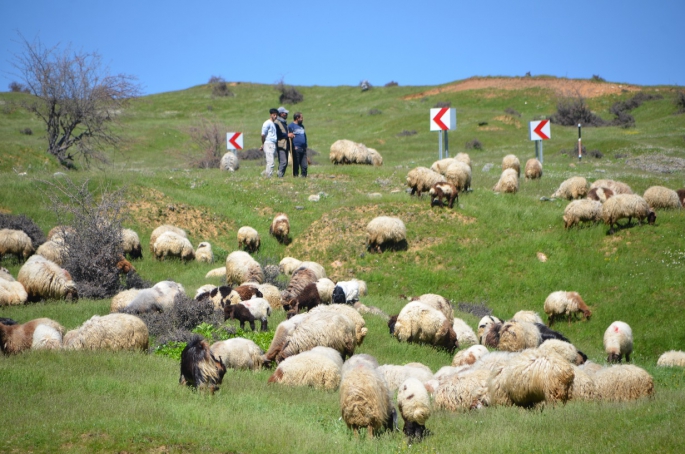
{"points": [[307, 299], [241, 267], [16, 243], [346, 292], [131, 244], [421, 179], [526, 316], [123, 299], [373, 157], [436, 302], [345, 151], [508, 182], [229, 162], [219, 296], [572, 188], [681, 196], [248, 239], [301, 278], [156, 233], [465, 334], [238, 353], [261, 310], [241, 313], [672, 358], [623, 383], [159, 298], [565, 303], [464, 157], [618, 341], [616, 186], [272, 294], [510, 161], [490, 337], [243, 293], [441, 165], [583, 387], [600, 194], [386, 233], [414, 404], [628, 206], [533, 169], [469, 356], [516, 336], [170, 244], [203, 253], [582, 210], [484, 323], [317, 268], [280, 228], [109, 332], [288, 265], [447, 191], [43, 279], [54, 250], [396, 375], [216, 272], [373, 310], [365, 400], [199, 368], [459, 174], [466, 390], [15, 338], [659, 197], [564, 349], [418, 322], [326, 329], [325, 287], [12, 293], [281, 335], [311, 368]]}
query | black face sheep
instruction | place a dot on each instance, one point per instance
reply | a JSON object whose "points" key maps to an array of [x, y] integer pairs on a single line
{"points": [[241, 267], [572, 188], [414, 404], [392, 321], [280, 228], [446, 191], [660, 197], [484, 323], [616, 187], [307, 299], [131, 244], [582, 210], [199, 368], [533, 169], [160, 230], [618, 341], [600, 194], [418, 322], [508, 182], [629, 206], [109, 332], [15, 242], [385, 232], [43, 279], [562, 303], [421, 179], [15, 338], [346, 292], [240, 313], [248, 239]]}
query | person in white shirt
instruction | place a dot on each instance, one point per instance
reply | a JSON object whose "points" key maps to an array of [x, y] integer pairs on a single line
{"points": [[269, 142]]}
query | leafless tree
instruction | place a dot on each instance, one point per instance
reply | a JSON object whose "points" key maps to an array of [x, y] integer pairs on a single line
{"points": [[207, 143], [75, 97]]}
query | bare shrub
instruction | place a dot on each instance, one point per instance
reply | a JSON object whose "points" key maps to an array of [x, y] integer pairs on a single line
{"points": [[441, 104], [680, 101], [16, 87], [596, 154], [25, 224], [26, 131], [406, 133], [477, 309], [513, 112], [474, 145], [392, 83], [289, 94], [597, 78], [207, 144], [250, 154], [482, 123], [574, 111], [620, 109], [375, 112]]}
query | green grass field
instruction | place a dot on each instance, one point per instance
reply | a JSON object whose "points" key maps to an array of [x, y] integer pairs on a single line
{"points": [[482, 252]]}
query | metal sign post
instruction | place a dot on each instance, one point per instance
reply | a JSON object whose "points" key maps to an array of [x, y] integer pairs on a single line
{"points": [[442, 120], [539, 131], [580, 146]]}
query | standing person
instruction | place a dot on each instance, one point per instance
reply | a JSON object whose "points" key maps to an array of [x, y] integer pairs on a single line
{"points": [[283, 142], [299, 145], [269, 137]]}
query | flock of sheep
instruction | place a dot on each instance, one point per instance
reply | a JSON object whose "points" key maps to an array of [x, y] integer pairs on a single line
{"points": [[520, 362]]}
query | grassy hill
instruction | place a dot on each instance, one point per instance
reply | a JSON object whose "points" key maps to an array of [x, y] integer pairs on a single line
{"points": [[484, 252]]}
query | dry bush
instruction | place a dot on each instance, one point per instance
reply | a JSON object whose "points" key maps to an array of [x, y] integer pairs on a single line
{"points": [[406, 133], [474, 145], [574, 111], [207, 144], [26, 131], [620, 109], [219, 87], [441, 104], [289, 94], [375, 112], [25, 224], [478, 309], [597, 78], [513, 112], [680, 101], [392, 83], [16, 87]]}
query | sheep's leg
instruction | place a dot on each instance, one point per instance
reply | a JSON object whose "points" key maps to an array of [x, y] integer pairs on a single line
{"points": [[356, 432], [264, 325], [627, 357], [550, 320], [252, 325], [369, 432]]}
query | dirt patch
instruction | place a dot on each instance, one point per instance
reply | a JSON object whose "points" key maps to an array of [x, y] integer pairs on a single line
{"points": [[561, 87], [657, 163], [509, 120]]}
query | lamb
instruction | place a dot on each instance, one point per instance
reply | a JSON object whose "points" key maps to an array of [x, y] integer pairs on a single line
{"points": [[261, 310], [170, 244], [516, 336], [465, 334], [241, 313], [672, 358], [16, 338], [241, 267], [248, 239], [109, 332], [159, 298], [618, 341], [623, 383], [421, 179], [311, 368], [572, 188], [307, 299], [238, 353], [659, 197], [582, 210], [12, 293], [302, 277], [508, 182], [386, 233], [365, 400], [414, 404], [288, 265], [437, 302], [327, 329], [131, 244], [565, 303], [526, 316], [395, 375], [346, 292], [229, 162], [203, 253], [15, 242], [447, 191], [469, 356], [199, 368], [626, 206], [533, 169], [124, 266], [510, 161], [325, 287], [600, 194], [280, 228], [459, 174], [54, 250], [43, 279], [6, 275], [359, 322], [616, 186], [418, 322], [160, 230]]}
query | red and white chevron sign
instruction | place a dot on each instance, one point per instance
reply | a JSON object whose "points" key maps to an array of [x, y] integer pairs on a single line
{"points": [[234, 140], [443, 119], [540, 130]]}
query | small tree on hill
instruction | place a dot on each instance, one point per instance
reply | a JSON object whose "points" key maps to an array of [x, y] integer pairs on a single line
{"points": [[75, 97], [207, 143]]}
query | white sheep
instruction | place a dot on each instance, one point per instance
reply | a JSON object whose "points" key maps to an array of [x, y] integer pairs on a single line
{"points": [[508, 182], [459, 174], [248, 239], [35, 334], [12, 293], [671, 358], [109, 332], [469, 356], [161, 229], [441, 165], [629, 206], [280, 228], [325, 287], [260, 310], [282, 334], [527, 316], [123, 299], [159, 298], [317, 268], [288, 265], [271, 293], [373, 157], [347, 152], [216, 272], [600, 194], [617, 187], [582, 210], [622, 383], [421, 179], [312, 368], [418, 322], [6, 275], [238, 353], [563, 303], [386, 232], [660, 197], [131, 244], [204, 253], [241, 267], [15, 242], [327, 329], [462, 390], [572, 188], [515, 336], [348, 311], [229, 162], [564, 349], [510, 161], [464, 157], [533, 170], [584, 386], [171, 244], [43, 279], [438, 302], [54, 250], [465, 334], [618, 341], [414, 404], [395, 375]]}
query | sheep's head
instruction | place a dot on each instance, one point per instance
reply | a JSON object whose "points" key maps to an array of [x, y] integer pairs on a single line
{"points": [[587, 313], [651, 218], [391, 323], [580, 358], [449, 337], [614, 358]]}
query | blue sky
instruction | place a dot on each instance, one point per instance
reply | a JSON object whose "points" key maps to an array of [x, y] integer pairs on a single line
{"points": [[173, 45]]}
